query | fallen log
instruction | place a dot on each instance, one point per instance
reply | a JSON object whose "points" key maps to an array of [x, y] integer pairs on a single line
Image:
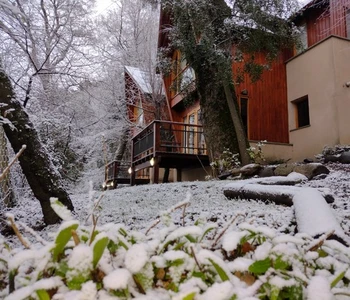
{"points": [[314, 216], [278, 194]]}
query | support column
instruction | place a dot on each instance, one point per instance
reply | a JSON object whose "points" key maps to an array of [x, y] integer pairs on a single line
{"points": [[155, 171], [178, 175], [132, 176]]}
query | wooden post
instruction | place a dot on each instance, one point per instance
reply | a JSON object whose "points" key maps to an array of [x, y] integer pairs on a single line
{"points": [[132, 176], [178, 175], [155, 172], [133, 173]]}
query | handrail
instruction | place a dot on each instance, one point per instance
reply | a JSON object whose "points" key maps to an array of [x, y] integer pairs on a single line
{"points": [[150, 125], [166, 136]]}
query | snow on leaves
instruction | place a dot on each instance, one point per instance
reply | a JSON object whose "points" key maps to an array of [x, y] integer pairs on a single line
{"points": [[175, 262]]}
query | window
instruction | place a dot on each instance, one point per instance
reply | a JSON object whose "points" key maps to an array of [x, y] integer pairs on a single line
{"points": [[193, 137], [243, 107], [140, 118], [302, 38], [182, 74], [302, 112]]}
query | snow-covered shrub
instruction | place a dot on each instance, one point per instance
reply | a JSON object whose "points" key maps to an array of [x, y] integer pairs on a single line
{"points": [[225, 162], [256, 153], [170, 261]]}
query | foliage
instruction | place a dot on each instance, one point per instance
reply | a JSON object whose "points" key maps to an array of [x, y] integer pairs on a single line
{"points": [[173, 262], [256, 153], [226, 162]]}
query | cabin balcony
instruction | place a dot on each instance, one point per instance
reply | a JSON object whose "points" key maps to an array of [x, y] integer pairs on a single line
{"points": [[164, 144]]}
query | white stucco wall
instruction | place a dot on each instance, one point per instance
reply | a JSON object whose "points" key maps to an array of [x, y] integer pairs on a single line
{"points": [[320, 73]]}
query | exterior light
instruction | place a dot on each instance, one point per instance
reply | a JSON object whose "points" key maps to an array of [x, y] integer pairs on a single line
{"points": [[112, 183], [104, 185], [152, 161], [130, 170]]}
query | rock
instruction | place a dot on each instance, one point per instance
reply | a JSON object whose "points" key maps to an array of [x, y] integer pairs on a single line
{"points": [[321, 176], [331, 158], [224, 175], [250, 170], [308, 160], [267, 172], [345, 157], [284, 169], [311, 170]]}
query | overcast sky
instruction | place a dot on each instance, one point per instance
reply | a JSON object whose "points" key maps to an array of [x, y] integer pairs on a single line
{"points": [[102, 5]]}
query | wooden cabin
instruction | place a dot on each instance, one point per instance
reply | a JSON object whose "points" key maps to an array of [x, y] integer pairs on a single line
{"points": [[163, 149]]}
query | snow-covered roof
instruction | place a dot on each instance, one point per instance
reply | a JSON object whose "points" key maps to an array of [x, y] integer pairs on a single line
{"points": [[144, 80]]}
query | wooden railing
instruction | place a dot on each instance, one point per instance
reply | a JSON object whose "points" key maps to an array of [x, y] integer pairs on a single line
{"points": [[168, 137], [116, 171]]}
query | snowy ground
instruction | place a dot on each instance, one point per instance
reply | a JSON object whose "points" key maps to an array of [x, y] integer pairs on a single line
{"points": [[137, 207]]}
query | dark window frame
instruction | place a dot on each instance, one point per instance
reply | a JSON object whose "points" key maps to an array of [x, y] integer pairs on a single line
{"points": [[302, 112]]}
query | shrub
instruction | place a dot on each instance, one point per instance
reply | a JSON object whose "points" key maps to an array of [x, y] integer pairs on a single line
{"points": [[170, 261]]}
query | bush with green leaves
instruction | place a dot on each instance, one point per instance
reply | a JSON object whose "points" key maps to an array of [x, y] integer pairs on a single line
{"points": [[225, 162], [256, 153], [171, 261]]}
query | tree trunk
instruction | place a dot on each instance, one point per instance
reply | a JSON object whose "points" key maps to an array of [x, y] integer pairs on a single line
{"points": [[35, 162], [242, 139], [218, 125], [7, 194], [123, 142]]}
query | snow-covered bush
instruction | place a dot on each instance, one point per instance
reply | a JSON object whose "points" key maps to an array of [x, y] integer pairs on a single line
{"points": [[256, 153], [226, 162], [169, 261]]}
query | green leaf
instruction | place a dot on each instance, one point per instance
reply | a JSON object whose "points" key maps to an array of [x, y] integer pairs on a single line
{"points": [[190, 296], [322, 253], [144, 279], [62, 239], [122, 232], [176, 262], [123, 245], [280, 264], [98, 249], [200, 275], [206, 232], [179, 246], [294, 292], [219, 270], [260, 266], [94, 234], [191, 238], [43, 295], [275, 291], [112, 247], [61, 210], [62, 269], [77, 281], [337, 279]]}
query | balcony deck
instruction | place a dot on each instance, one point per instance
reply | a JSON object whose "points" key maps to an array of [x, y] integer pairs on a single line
{"points": [[164, 144]]}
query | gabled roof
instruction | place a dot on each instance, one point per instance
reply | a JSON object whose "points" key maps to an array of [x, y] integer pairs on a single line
{"points": [[144, 80], [309, 6]]}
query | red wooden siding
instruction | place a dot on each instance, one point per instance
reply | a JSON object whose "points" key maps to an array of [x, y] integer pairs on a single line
{"points": [[267, 100], [324, 19]]}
